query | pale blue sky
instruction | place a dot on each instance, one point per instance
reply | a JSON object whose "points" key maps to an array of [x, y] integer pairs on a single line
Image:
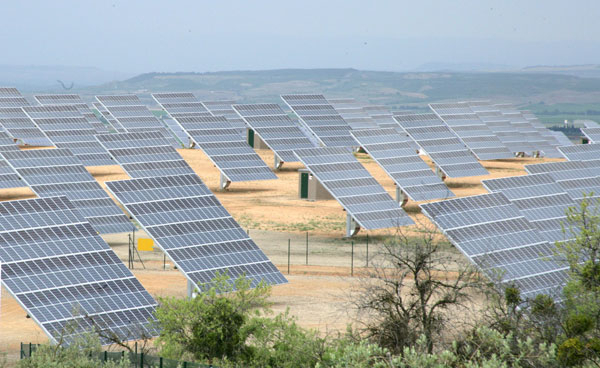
{"points": [[140, 36]]}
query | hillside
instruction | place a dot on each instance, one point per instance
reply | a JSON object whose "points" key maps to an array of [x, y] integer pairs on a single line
{"points": [[397, 90]]}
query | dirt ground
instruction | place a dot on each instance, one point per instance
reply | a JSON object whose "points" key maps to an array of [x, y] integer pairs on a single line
{"points": [[271, 211]]}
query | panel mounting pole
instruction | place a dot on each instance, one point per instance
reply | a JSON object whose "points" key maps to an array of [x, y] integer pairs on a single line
{"points": [[352, 228], [440, 173], [224, 183], [190, 289], [401, 197], [278, 162]]}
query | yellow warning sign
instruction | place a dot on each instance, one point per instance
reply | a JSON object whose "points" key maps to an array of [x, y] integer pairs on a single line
{"points": [[145, 244]]}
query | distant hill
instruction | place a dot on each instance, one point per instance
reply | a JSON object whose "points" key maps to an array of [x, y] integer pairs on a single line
{"points": [[41, 78], [394, 89], [583, 71]]}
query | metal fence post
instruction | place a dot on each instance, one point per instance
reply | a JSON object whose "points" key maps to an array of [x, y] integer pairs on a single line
{"points": [[289, 256], [307, 248]]}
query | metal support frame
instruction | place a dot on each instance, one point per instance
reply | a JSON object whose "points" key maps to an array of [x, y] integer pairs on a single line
{"points": [[401, 197], [352, 228], [278, 162], [440, 173], [224, 183], [191, 289]]}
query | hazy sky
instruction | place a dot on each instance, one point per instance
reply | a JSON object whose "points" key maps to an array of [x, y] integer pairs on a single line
{"points": [[139, 36]]}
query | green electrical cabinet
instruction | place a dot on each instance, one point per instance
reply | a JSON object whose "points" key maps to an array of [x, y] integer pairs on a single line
{"points": [[251, 137], [304, 185]]}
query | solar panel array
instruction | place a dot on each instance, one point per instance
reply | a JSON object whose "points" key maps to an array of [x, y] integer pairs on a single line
{"points": [[321, 119], [19, 126], [223, 108], [539, 198], [8, 176], [181, 104], [353, 113], [397, 155], [112, 122], [547, 145], [178, 105], [9, 92], [280, 133], [57, 172], [492, 233], [66, 277], [576, 178], [363, 198], [129, 111], [192, 227], [476, 135], [444, 148], [144, 155], [224, 146], [583, 152], [67, 128], [76, 101]]}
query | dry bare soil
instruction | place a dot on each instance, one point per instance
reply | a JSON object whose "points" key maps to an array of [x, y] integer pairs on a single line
{"points": [[317, 294]]}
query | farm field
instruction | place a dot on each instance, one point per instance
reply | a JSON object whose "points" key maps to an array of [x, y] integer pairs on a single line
{"points": [[317, 293]]}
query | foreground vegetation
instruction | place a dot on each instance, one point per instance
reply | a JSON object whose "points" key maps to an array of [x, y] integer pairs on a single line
{"points": [[414, 309]]}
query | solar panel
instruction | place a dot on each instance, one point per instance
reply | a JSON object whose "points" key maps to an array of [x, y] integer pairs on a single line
{"points": [[591, 124], [562, 139], [492, 233], [230, 153], [135, 117], [444, 148], [56, 172], [565, 170], [526, 186], [66, 277], [529, 131], [539, 198], [179, 105], [144, 155], [13, 102], [223, 108], [397, 155], [353, 113], [9, 92], [280, 133], [75, 101], [581, 152], [8, 176], [474, 133], [67, 128], [112, 122], [321, 119], [191, 226], [20, 127], [363, 198]]}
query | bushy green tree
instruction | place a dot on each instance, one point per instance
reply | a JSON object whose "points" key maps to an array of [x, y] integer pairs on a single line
{"points": [[214, 324]]}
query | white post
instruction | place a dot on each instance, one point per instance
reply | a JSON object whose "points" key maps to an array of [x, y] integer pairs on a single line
{"points": [[278, 162], [224, 182], [191, 290], [352, 227], [400, 196]]}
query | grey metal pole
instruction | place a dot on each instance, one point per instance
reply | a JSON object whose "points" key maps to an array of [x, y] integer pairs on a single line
{"points": [[307, 248], [289, 256]]}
